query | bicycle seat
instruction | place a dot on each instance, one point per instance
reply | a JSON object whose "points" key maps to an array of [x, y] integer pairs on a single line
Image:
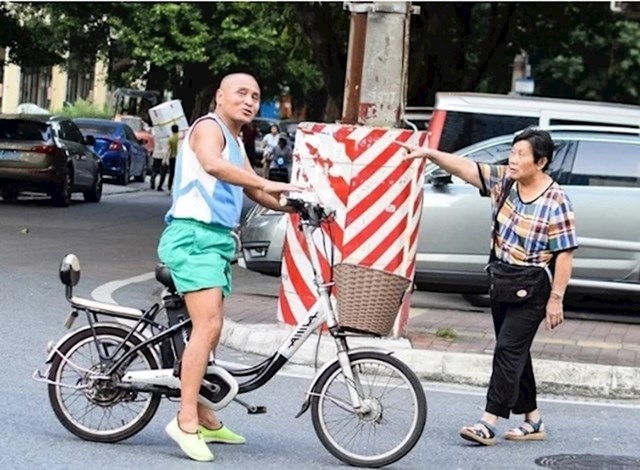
{"points": [[163, 276]]}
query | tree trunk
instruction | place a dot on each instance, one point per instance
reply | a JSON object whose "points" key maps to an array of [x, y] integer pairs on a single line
{"points": [[197, 83], [330, 50], [494, 46], [156, 81]]}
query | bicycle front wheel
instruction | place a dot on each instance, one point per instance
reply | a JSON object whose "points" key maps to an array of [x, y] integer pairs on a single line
{"points": [[391, 424]]}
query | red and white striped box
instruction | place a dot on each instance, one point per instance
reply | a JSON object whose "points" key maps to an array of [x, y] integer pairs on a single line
{"points": [[360, 172]]}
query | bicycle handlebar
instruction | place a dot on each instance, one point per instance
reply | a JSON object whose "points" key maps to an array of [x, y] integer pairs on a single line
{"points": [[312, 212]]}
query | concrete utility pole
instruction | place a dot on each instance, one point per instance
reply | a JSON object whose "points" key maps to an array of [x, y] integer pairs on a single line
{"points": [[377, 64]]}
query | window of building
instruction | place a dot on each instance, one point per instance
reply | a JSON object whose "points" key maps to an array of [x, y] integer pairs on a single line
{"points": [[35, 86], [2, 57], [80, 78]]}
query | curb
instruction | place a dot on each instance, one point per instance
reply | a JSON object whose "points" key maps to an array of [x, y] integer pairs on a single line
{"points": [[552, 377]]}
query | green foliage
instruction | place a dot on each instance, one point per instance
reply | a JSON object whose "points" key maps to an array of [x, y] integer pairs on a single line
{"points": [[86, 109], [576, 49]]}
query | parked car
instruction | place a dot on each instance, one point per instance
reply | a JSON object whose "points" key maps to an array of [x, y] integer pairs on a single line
{"points": [[47, 154], [122, 154], [142, 131], [598, 167]]}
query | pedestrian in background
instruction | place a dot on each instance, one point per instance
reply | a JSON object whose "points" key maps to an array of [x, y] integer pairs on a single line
{"points": [[156, 163], [169, 159], [532, 243]]}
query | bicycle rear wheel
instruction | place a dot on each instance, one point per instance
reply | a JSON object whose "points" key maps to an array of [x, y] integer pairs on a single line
{"points": [[91, 406], [393, 423]]}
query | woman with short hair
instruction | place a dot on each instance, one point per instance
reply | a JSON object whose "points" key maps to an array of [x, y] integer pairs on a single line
{"points": [[532, 243]]}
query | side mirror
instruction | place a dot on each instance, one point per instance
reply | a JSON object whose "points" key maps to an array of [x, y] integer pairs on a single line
{"points": [[90, 140], [70, 270], [439, 177]]}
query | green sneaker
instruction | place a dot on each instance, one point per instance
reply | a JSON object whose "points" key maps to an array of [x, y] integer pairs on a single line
{"points": [[191, 444], [222, 435]]}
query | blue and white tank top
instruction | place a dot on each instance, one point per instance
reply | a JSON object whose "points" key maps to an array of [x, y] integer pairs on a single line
{"points": [[196, 194]]}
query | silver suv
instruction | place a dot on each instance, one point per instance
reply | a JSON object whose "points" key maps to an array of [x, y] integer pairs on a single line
{"points": [[599, 168]]}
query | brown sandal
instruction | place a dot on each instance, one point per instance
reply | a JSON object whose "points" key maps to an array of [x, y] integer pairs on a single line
{"points": [[481, 433], [527, 431]]}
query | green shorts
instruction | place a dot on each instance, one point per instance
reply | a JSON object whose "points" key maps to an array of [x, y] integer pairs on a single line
{"points": [[198, 255]]}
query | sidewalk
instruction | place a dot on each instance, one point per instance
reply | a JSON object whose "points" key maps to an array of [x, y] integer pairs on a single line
{"points": [[586, 358]]}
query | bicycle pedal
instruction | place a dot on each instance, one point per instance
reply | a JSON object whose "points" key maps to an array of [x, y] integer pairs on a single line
{"points": [[251, 409], [257, 410]]}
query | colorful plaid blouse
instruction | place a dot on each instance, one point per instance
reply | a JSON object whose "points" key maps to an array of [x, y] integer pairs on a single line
{"points": [[528, 234]]}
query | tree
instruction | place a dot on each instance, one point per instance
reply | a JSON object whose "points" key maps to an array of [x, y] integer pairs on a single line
{"points": [[185, 47], [577, 50]]}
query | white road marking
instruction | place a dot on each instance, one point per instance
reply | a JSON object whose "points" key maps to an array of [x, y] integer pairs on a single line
{"points": [[103, 293]]}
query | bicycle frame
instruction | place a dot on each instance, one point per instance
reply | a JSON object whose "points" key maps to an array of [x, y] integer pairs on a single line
{"points": [[261, 373]]}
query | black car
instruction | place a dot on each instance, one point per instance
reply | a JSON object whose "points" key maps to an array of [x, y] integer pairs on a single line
{"points": [[47, 154]]}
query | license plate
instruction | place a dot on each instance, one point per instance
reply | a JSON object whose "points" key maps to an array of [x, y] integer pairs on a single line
{"points": [[8, 155]]}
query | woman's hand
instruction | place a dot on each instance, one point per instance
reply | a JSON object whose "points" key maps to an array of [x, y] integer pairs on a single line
{"points": [[415, 151], [555, 314]]}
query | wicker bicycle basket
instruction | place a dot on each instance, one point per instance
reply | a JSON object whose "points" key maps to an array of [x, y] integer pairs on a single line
{"points": [[368, 300]]}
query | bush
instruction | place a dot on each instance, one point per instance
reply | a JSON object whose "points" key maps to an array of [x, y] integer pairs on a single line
{"points": [[86, 109]]}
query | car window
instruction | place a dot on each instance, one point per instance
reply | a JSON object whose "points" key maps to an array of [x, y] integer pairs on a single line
{"points": [[494, 155], [19, 129], [128, 132], [463, 129], [69, 131], [95, 129], [606, 164], [63, 130], [588, 121], [73, 132], [498, 154]]}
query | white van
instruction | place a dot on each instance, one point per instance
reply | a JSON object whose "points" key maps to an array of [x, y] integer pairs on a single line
{"points": [[461, 119]]}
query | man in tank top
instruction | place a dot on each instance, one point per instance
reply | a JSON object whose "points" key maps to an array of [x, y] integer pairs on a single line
{"points": [[212, 172]]}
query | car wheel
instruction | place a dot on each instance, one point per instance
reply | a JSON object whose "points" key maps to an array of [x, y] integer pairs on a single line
{"points": [[61, 196], [10, 194], [95, 193], [478, 300], [126, 176]]}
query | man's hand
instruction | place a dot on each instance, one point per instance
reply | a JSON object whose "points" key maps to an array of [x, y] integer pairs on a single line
{"points": [[415, 151], [276, 188], [555, 315]]}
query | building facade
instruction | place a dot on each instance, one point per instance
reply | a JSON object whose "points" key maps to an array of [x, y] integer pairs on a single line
{"points": [[51, 87]]}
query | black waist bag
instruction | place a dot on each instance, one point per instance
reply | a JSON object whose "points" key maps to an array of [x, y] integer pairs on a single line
{"points": [[514, 284]]}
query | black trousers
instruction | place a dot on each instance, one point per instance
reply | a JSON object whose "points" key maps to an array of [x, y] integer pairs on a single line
{"points": [[163, 173], [156, 169], [513, 386]]}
